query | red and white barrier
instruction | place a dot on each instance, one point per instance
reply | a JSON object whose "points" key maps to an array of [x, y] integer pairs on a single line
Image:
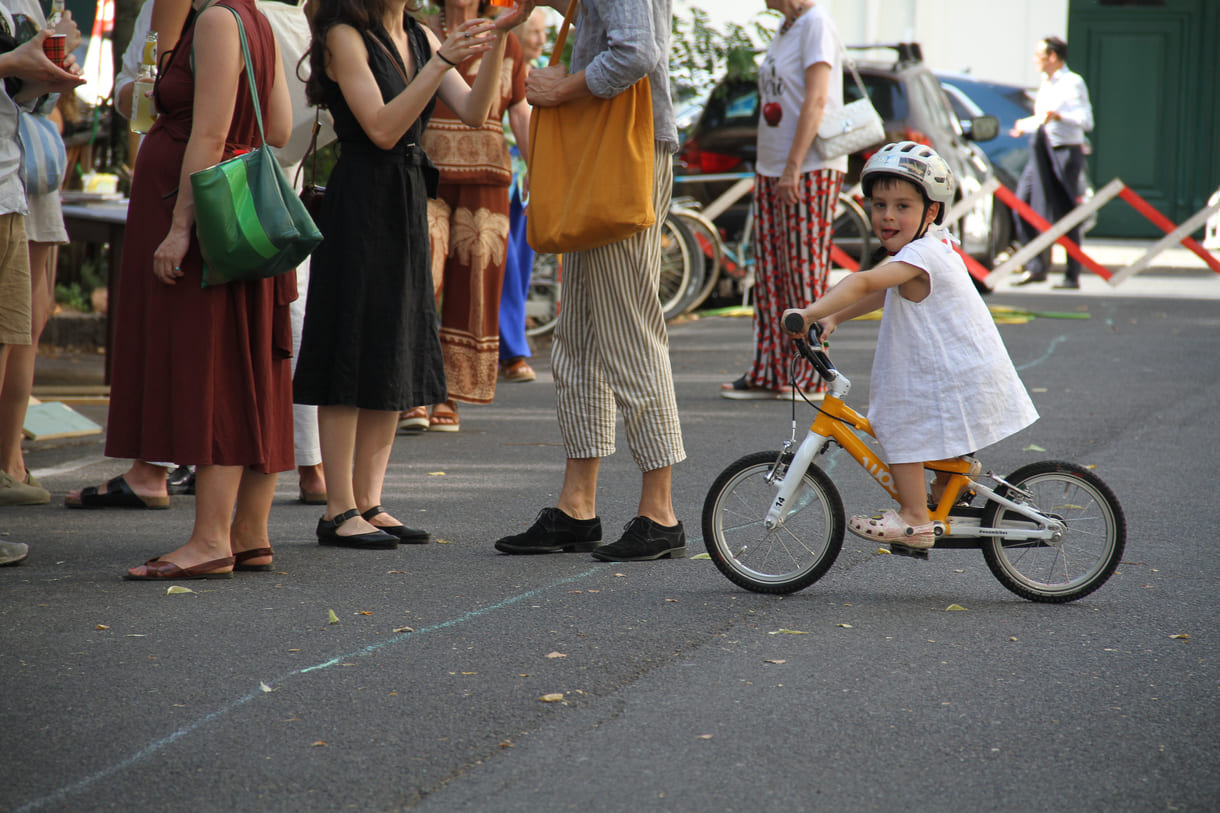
{"points": [[1054, 233]]}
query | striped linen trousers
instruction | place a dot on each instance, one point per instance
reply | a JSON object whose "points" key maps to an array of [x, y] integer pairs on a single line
{"points": [[611, 347]]}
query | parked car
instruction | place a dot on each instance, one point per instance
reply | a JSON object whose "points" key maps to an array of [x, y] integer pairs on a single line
{"points": [[972, 97], [913, 107]]}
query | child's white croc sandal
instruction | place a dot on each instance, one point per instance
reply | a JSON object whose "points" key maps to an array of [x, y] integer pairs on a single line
{"points": [[888, 527]]}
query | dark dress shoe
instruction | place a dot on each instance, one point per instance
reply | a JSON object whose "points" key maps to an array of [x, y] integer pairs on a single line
{"points": [[405, 535], [1028, 278], [1068, 284], [554, 532], [643, 540], [181, 481], [328, 534]]}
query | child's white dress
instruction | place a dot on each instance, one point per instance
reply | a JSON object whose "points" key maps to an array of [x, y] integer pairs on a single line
{"points": [[943, 384]]}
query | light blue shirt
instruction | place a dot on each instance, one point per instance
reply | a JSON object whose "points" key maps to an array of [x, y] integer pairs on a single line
{"points": [[617, 42]]}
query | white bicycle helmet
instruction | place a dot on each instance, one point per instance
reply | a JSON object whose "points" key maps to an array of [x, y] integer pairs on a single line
{"points": [[917, 163]]}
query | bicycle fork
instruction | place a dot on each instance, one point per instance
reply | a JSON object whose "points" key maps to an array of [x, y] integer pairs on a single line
{"points": [[801, 461]]}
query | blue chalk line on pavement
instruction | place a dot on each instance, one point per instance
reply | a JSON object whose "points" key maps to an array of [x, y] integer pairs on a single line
{"points": [[1050, 351], [154, 747]]}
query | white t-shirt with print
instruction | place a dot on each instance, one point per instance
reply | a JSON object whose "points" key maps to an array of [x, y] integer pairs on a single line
{"points": [[781, 81]]}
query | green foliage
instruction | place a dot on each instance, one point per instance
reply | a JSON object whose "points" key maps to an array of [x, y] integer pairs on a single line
{"points": [[74, 296], [701, 55]]}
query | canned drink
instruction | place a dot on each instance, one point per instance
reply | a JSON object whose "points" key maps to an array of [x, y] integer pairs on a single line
{"points": [[503, 3], [55, 46]]}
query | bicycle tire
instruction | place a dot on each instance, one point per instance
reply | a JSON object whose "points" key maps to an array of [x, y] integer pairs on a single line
{"points": [[1096, 533], [542, 300], [707, 246], [675, 266], [788, 558]]}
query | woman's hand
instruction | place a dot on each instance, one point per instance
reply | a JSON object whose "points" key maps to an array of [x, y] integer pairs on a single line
{"points": [[550, 86], [786, 188], [67, 26], [167, 259], [471, 38], [511, 19]]}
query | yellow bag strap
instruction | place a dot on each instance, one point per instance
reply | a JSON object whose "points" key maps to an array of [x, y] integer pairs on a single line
{"points": [[563, 32]]}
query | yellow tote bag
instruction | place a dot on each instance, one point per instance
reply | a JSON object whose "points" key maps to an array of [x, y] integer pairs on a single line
{"points": [[590, 164]]}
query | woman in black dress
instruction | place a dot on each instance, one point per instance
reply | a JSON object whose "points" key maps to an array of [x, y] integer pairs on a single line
{"points": [[370, 346]]}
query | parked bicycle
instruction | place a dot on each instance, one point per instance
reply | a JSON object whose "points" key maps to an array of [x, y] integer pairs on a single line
{"points": [[773, 522], [697, 261], [546, 282]]}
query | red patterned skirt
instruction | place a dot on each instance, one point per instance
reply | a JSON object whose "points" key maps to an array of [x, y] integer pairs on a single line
{"points": [[791, 266]]}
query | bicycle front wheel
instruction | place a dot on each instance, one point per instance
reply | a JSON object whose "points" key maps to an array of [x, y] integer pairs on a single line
{"points": [[787, 558], [1077, 563]]}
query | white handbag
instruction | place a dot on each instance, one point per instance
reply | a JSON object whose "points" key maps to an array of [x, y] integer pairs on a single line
{"points": [[852, 127]]}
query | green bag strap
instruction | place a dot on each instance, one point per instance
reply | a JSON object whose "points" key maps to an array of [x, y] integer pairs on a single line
{"points": [[245, 53]]}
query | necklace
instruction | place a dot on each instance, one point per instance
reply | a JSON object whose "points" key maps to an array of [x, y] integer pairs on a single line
{"points": [[787, 24]]}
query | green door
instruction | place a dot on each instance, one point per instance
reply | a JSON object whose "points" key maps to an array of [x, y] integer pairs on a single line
{"points": [[1152, 70]]}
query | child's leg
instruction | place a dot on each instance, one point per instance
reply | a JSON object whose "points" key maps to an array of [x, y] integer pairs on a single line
{"points": [[912, 486], [939, 483]]}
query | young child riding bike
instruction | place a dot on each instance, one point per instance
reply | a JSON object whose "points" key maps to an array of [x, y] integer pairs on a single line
{"points": [[942, 383]]}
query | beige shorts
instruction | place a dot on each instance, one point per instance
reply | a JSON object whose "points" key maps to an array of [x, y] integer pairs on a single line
{"points": [[14, 281]]}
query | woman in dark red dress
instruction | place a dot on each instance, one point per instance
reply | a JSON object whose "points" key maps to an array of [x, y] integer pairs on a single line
{"points": [[202, 375]]}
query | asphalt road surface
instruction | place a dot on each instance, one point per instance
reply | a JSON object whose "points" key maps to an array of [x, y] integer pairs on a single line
{"points": [[676, 690]]}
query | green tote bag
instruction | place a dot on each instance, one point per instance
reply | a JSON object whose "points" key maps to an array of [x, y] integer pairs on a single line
{"points": [[249, 221]]}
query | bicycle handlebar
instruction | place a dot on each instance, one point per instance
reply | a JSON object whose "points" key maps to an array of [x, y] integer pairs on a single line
{"points": [[811, 349]]}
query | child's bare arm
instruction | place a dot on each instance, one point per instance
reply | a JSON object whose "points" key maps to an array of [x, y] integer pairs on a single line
{"points": [[856, 294], [868, 304]]}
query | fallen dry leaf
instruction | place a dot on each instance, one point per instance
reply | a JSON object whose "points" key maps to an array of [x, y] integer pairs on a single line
{"points": [[404, 629], [702, 556], [556, 655], [436, 474], [264, 687], [177, 589], [954, 607], [101, 627], [884, 551], [331, 618], [787, 632], [846, 626], [1181, 636], [775, 660], [365, 612], [554, 697], [705, 736], [319, 743]]}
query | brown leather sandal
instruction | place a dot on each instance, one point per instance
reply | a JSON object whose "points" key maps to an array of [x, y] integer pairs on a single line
{"points": [[158, 569]]}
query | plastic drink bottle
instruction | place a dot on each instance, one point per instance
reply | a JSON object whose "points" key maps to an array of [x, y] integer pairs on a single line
{"points": [[143, 113]]}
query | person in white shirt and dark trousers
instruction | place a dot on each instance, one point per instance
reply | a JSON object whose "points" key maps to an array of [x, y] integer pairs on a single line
{"points": [[1050, 183]]}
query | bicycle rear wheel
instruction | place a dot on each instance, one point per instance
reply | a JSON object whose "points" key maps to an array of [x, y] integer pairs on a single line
{"points": [[542, 301], [791, 556], [705, 249], [675, 266], [1081, 560]]}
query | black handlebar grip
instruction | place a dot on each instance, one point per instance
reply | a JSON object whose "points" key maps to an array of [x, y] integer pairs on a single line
{"points": [[794, 323]]}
